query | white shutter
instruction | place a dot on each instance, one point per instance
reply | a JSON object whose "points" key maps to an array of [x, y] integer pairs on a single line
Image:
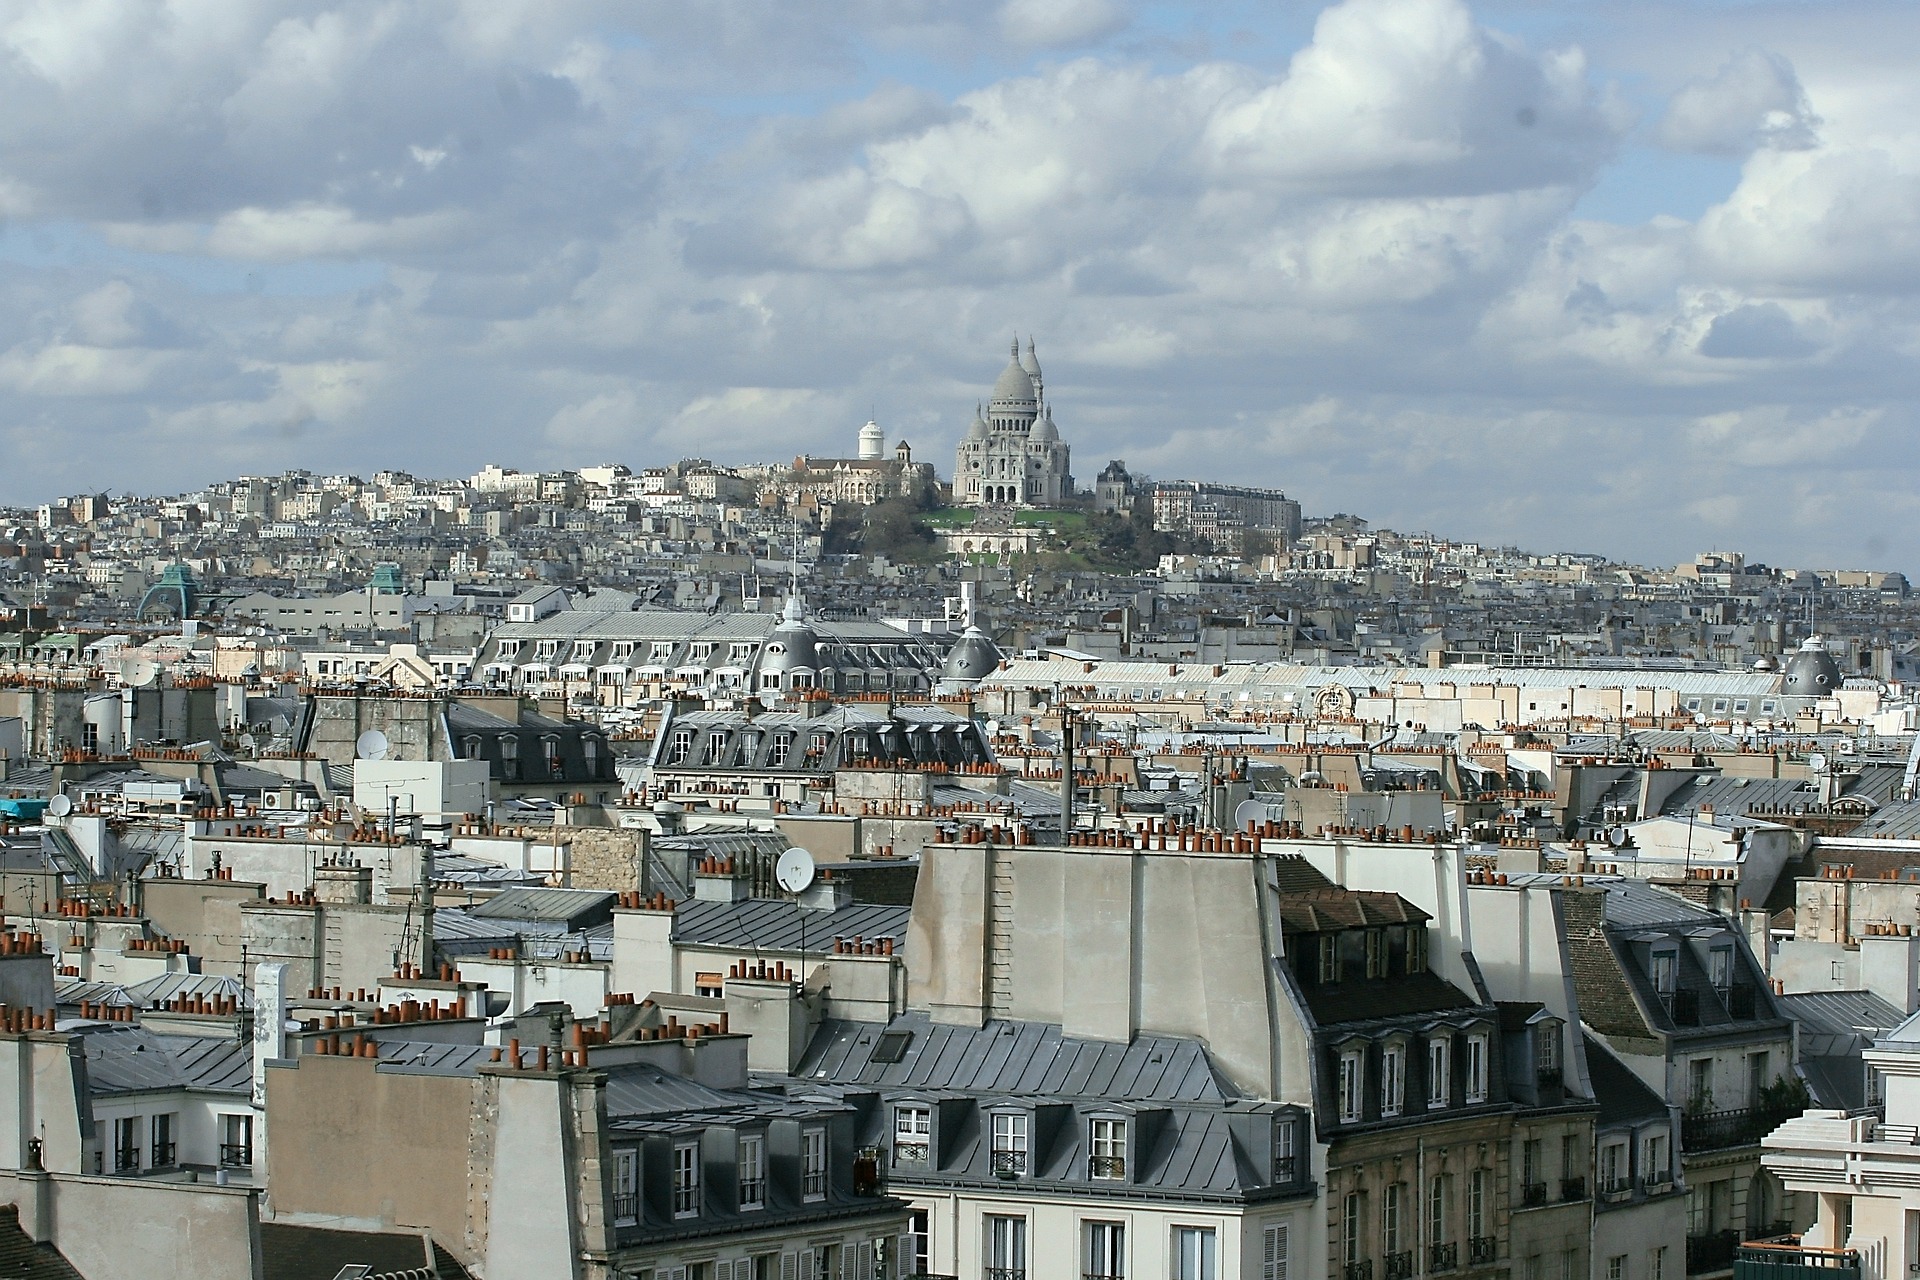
{"points": [[865, 1269], [789, 1266], [807, 1260], [1273, 1264]]}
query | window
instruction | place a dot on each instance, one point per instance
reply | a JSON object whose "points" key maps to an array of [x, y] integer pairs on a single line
{"points": [[1438, 1081], [1664, 966], [1416, 949], [1108, 1147], [1329, 957], [1653, 1160], [1350, 1077], [1284, 1168], [1006, 1247], [1757, 1073], [1570, 1164], [1720, 967], [1437, 1209], [753, 1171], [782, 743], [1617, 1267], [813, 1164], [1700, 1084], [1273, 1253], [1009, 1143], [686, 1180], [1613, 1167], [711, 985], [1392, 1080], [1105, 1252], [916, 1246], [236, 1141], [1376, 953], [679, 746], [1390, 1207], [510, 757], [126, 1144], [162, 1132], [626, 1186], [1193, 1253], [1477, 1203], [1657, 1263], [1476, 1069], [1546, 1057], [1353, 1214], [912, 1133]]}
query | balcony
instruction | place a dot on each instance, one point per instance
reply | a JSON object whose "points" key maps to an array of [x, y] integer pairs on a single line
{"points": [[1533, 1195], [1710, 1253], [1684, 1008], [126, 1159], [1482, 1251], [163, 1154], [1740, 1127], [1003, 1273], [1443, 1257], [1573, 1189], [1785, 1259], [910, 1153], [1107, 1168], [1009, 1164], [1399, 1266], [236, 1155], [626, 1208], [1362, 1270], [1286, 1170], [1740, 1002], [753, 1193]]}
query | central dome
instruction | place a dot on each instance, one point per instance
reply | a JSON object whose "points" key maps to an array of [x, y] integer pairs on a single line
{"points": [[1014, 385]]}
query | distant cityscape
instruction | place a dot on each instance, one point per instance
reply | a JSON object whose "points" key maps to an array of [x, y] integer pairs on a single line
{"points": [[827, 870]]}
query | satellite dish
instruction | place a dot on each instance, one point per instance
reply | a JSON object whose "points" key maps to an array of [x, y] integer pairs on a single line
{"points": [[794, 871], [138, 673], [371, 745], [60, 806], [1817, 762], [1617, 837]]}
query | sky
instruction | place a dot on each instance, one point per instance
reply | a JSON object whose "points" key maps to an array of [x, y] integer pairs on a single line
{"points": [[1633, 277]]}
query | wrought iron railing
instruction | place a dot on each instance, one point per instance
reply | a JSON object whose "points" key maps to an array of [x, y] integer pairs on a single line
{"points": [[1482, 1250], [1009, 1164], [1785, 1259], [163, 1153], [1573, 1188], [1711, 1252], [1738, 1127], [236, 1155], [126, 1159], [1443, 1257], [1740, 1002], [1684, 1008], [1286, 1170], [626, 1208], [1399, 1265], [753, 1193], [1107, 1167], [1361, 1270], [1004, 1273], [910, 1152], [1533, 1194]]}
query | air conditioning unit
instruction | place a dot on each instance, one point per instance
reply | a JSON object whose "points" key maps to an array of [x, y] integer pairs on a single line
{"points": [[274, 800]]}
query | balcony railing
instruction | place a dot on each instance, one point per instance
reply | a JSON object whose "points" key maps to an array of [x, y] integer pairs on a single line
{"points": [[626, 1208], [1004, 1273], [1684, 1008], [910, 1152], [1482, 1250], [1740, 1127], [1740, 1002], [236, 1155], [1547, 1075], [1711, 1252], [1361, 1270], [753, 1193], [1533, 1195], [1399, 1265], [1573, 1188], [1286, 1170], [126, 1159], [1109, 1168], [1443, 1257], [1009, 1164], [163, 1153], [1785, 1259]]}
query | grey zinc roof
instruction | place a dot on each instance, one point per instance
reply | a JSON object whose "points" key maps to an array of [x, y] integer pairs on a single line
{"points": [[556, 905], [1635, 904], [134, 1060], [1014, 1058], [778, 925]]}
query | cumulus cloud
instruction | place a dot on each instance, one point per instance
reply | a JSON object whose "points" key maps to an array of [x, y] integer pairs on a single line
{"points": [[1754, 100], [1058, 23]]}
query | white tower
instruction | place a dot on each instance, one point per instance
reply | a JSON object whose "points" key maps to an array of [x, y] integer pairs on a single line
{"points": [[873, 442]]}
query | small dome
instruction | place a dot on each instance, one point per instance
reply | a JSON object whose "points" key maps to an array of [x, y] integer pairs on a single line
{"points": [[978, 431], [1044, 430], [1811, 672], [973, 657], [1032, 362], [792, 644]]}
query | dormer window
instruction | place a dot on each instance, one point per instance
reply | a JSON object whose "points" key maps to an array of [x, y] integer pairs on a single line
{"points": [[1416, 949], [1476, 1069], [1439, 1072], [1107, 1148], [1329, 957], [1352, 1074], [1720, 967], [1376, 953], [912, 1133], [1009, 1130], [753, 1171], [1285, 1170], [1546, 1055], [813, 1164], [1665, 971], [679, 746], [1393, 1079], [686, 1180]]}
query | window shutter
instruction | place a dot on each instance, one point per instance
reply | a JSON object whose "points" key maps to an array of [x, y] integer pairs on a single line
{"points": [[789, 1266], [1274, 1260]]}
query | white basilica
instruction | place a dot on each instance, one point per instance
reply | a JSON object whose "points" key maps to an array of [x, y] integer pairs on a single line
{"points": [[1013, 455]]}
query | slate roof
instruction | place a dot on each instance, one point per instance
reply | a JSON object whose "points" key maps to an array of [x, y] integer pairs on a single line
{"points": [[570, 908], [21, 1257], [780, 925], [290, 1252], [131, 1059], [1015, 1058], [1835, 1026], [1332, 908], [1368, 999], [1624, 1098]]}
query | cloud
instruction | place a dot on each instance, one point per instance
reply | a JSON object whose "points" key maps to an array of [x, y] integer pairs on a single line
{"points": [[1054, 24], [1754, 100], [1755, 332]]}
